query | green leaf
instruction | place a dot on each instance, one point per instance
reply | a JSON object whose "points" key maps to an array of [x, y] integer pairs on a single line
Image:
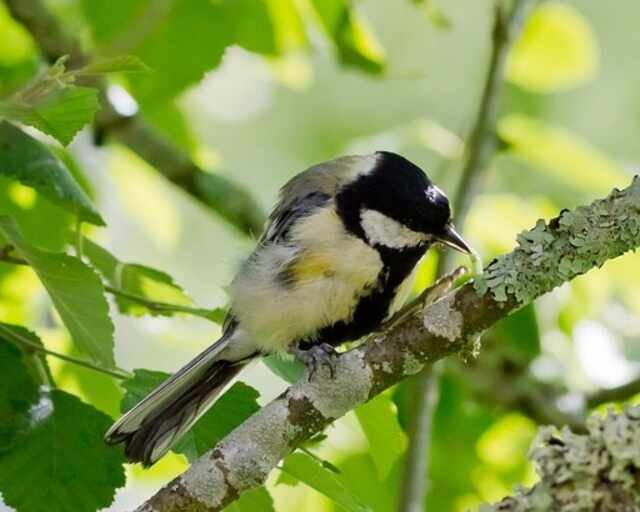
{"points": [[232, 409], [255, 500], [387, 441], [310, 472], [57, 460], [28, 207], [557, 50], [355, 45], [289, 370], [519, 334], [252, 25], [119, 64], [76, 292], [109, 19], [60, 114], [17, 335], [136, 279], [138, 283], [211, 27], [458, 424], [27, 160], [359, 474], [17, 393]]}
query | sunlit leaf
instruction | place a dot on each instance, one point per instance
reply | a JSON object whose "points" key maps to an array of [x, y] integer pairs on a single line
{"points": [[231, 409], [387, 441], [25, 159], [309, 471], [28, 207], [59, 439], [355, 45], [288, 24], [76, 292], [557, 50], [505, 442], [60, 114], [560, 154]]}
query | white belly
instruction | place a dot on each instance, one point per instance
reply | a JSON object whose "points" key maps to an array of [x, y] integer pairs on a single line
{"points": [[326, 282]]}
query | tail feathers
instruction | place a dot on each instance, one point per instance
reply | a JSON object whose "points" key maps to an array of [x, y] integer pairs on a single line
{"points": [[157, 422]]}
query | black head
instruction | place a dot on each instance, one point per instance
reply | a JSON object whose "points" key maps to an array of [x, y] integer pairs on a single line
{"points": [[401, 191]]}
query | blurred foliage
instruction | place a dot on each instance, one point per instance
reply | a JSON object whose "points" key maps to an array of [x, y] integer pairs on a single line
{"points": [[261, 89]]}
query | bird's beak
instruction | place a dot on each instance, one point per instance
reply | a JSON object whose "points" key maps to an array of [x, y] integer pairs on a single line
{"points": [[454, 240]]}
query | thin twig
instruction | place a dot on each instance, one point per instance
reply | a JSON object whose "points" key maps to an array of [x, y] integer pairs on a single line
{"points": [[162, 307], [426, 392], [116, 372], [617, 394], [480, 150]]}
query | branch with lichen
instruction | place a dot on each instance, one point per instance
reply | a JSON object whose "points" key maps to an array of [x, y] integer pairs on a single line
{"points": [[547, 256], [215, 191], [599, 470]]}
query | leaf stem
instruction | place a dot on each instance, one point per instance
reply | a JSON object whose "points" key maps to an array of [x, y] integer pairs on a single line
{"points": [[115, 372], [213, 315], [165, 307]]}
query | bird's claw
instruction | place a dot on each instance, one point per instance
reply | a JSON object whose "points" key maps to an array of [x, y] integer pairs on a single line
{"points": [[322, 354]]}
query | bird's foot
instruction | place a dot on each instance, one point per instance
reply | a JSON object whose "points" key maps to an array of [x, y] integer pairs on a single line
{"points": [[315, 356]]}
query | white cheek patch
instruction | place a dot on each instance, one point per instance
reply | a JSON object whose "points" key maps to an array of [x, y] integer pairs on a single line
{"points": [[383, 230]]}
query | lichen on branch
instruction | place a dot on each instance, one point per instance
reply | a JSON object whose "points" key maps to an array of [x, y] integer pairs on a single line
{"points": [[598, 471], [576, 241]]}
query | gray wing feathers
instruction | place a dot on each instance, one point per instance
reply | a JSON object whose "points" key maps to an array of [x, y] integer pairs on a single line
{"points": [[312, 188]]}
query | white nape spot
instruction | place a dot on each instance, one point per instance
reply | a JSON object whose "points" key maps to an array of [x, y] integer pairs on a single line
{"points": [[383, 230], [433, 192]]}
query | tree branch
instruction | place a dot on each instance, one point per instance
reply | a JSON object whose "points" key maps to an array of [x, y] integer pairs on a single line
{"points": [[617, 394], [216, 192], [596, 471], [481, 147], [546, 256]]}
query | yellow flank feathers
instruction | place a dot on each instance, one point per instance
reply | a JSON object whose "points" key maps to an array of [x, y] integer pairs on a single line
{"points": [[312, 266]]}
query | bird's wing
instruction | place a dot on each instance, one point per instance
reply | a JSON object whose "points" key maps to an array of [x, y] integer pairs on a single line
{"points": [[284, 216], [307, 191]]}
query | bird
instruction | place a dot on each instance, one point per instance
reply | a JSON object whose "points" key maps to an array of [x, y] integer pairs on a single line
{"points": [[335, 261]]}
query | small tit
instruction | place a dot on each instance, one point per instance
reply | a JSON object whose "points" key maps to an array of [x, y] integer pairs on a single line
{"points": [[335, 261]]}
